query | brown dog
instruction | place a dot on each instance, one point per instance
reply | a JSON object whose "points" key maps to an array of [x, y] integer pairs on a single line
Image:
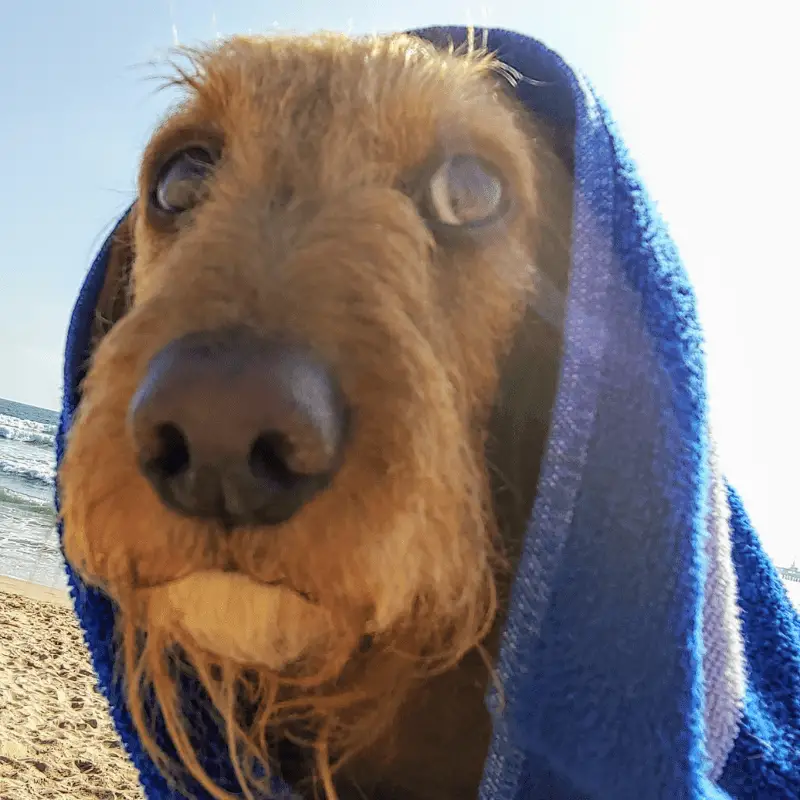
{"points": [[313, 418]]}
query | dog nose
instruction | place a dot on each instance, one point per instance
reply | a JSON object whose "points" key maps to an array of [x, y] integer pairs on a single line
{"points": [[230, 427]]}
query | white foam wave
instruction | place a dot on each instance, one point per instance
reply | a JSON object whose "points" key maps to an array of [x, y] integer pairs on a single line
{"points": [[27, 430], [38, 471], [20, 434], [28, 424]]}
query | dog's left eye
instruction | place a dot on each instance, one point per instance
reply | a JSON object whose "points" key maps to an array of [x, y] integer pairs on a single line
{"points": [[466, 192], [181, 183]]}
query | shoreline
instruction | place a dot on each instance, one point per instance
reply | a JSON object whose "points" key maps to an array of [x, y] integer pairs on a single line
{"points": [[34, 591]]}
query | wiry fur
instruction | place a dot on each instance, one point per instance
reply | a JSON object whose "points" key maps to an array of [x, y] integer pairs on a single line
{"points": [[312, 229]]}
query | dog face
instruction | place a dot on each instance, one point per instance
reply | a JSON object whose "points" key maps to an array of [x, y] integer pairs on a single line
{"points": [[279, 460]]}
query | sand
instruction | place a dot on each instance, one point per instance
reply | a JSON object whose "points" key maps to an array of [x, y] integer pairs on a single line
{"points": [[56, 737]]}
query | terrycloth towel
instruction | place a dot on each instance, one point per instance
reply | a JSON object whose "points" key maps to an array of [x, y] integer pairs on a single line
{"points": [[651, 650]]}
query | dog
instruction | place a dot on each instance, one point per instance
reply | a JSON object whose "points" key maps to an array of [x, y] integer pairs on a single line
{"points": [[319, 393]]}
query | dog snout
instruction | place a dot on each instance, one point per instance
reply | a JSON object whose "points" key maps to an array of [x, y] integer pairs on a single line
{"points": [[231, 427]]}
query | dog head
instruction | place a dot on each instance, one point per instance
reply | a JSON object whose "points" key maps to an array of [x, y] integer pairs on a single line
{"points": [[282, 463]]}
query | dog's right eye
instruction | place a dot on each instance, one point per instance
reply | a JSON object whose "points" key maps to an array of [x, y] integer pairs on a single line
{"points": [[181, 183]]}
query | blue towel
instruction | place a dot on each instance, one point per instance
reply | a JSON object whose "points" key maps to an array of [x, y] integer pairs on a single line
{"points": [[651, 651]]}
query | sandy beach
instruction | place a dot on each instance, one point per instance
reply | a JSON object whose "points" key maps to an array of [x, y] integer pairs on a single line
{"points": [[56, 738]]}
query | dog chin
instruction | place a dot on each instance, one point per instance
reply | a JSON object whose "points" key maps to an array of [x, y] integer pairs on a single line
{"points": [[232, 616]]}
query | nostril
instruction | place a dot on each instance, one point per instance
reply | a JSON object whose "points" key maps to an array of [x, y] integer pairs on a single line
{"points": [[268, 460], [231, 427], [170, 455]]}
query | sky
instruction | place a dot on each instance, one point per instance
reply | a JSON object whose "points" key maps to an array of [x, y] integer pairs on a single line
{"points": [[703, 91]]}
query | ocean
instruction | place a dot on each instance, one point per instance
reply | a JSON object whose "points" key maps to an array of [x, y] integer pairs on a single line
{"points": [[28, 540]]}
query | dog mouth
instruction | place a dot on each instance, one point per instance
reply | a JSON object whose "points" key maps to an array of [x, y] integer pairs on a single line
{"points": [[234, 616], [273, 583]]}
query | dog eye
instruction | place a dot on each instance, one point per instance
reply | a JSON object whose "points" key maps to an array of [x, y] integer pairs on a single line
{"points": [[465, 191], [181, 183]]}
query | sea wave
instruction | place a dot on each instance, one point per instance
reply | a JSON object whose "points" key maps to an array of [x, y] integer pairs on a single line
{"points": [[26, 502], [22, 422], [41, 473], [28, 436], [26, 430]]}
